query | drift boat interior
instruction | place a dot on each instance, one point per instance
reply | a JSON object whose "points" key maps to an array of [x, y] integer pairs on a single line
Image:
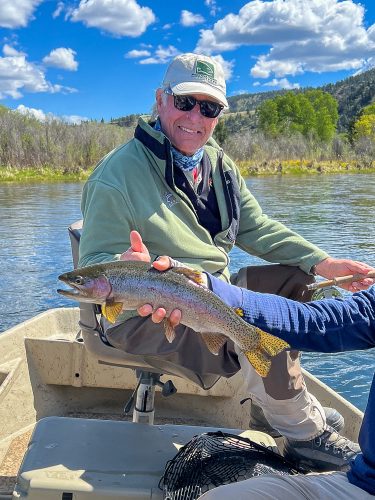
{"points": [[63, 431]]}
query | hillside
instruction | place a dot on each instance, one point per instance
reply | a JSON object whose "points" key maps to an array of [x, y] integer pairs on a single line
{"points": [[352, 95]]}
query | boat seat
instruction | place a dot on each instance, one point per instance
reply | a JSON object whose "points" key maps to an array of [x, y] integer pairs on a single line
{"points": [[96, 343]]}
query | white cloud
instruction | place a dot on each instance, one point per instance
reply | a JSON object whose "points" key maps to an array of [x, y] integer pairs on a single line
{"points": [[60, 7], [211, 4], [282, 83], [227, 66], [74, 119], [18, 75], [118, 17], [167, 26], [189, 19], [304, 35], [134, 54], [62, 58], [162, 55], [40, 115], [35, 113], [17, 13]]}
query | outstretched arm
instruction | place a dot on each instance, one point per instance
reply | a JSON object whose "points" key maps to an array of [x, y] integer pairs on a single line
{"points": [[330, 325]]}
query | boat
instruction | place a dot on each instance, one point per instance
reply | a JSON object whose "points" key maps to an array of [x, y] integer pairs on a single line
{"points": [[63, 431]]}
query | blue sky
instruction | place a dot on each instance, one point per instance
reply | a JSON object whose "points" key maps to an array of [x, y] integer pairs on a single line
{"points": [[98, 59]]}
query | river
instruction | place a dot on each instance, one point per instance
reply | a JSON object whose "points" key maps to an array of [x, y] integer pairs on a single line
{"points": [[336, 212]]}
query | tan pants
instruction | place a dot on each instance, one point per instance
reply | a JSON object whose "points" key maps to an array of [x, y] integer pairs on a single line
{"points": [[282, 394], [327, 486]]}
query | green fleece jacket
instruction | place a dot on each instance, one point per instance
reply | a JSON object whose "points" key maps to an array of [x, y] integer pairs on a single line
{"points": [[128, 190]]}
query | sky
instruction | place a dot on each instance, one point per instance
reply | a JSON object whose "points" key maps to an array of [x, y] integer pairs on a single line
{"points": [[93, 59]]}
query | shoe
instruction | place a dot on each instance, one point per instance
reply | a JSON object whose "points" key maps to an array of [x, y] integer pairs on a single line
{"points": [[327, 452], [258, 421]]}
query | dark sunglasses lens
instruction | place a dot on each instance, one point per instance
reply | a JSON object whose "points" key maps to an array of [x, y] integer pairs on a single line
{"points": [[184, 102], [210, 109]]}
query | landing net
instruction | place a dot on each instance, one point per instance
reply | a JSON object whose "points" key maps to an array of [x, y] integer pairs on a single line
{"points": [[216, 458]]}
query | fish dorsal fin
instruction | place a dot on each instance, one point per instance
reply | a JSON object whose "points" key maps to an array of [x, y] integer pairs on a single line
{"points": [[214, 341], [191, 274], [239, 311], [169, 330], [111, 310]]}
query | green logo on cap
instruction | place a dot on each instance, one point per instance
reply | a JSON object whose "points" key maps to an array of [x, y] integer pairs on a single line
{"points": [[205, 68]]}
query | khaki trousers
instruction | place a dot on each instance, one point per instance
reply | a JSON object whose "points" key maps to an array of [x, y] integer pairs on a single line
{"points": [[326, 486], [282, 394]]}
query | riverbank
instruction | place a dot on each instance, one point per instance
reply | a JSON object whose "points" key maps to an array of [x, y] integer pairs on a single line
{"points": [[303, 167], [247, 169]]}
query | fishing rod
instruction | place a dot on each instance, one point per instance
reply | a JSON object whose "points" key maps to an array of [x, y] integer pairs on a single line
{"points": [[340, 280]]}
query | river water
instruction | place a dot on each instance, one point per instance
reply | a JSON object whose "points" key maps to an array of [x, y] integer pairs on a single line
{"points": [[335, 212]]}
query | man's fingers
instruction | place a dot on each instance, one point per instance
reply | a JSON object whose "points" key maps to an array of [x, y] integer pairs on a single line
{"points": [[136, 242], [145, 310], [175, 317], [159, 314], [162, 263]]}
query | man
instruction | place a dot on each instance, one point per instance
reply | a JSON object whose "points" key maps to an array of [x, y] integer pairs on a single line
{"points": [[335, 325], [174, 185]]}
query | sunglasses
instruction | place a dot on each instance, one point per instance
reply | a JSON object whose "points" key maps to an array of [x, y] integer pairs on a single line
{"points": [[208, 109]]}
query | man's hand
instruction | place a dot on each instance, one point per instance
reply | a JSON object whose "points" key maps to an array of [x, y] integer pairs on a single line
{"points": [[137, 251], [333, 268]]}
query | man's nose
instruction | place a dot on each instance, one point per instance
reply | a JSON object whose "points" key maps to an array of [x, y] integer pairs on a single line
{"points": [[195, 113]]}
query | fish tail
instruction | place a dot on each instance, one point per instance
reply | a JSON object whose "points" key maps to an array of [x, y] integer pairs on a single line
{"points": [[260, 362], [268, 346]]}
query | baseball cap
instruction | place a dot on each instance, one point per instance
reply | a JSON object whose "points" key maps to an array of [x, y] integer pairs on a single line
{"points": [[196, 74]]}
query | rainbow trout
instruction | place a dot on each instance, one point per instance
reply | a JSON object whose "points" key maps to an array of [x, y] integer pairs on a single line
{"points": [[126, 285]]}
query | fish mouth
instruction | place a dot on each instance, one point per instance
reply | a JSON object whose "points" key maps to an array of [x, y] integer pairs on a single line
{"points": [[82, 292], [76, 291]]}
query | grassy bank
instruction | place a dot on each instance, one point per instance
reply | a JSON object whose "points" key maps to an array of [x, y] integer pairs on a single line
{"points": [[302, 167], [45, 174], [247, 168]]}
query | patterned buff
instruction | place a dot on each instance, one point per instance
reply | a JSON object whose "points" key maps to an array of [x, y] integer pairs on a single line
{"points": [[186, 163]]}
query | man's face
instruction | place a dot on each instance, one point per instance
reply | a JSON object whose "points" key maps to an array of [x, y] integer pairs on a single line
{"points": [[187, 130]]}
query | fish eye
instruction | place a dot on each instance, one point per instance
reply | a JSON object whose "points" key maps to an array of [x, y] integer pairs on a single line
{"points": [[78, 280]]}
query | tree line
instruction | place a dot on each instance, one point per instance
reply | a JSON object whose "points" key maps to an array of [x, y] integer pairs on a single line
{"points": [[298, 126], [28, 142]]}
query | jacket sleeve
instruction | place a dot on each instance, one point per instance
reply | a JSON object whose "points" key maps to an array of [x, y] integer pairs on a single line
{"points": [[330, 325], [106, 224], [269, 239]]}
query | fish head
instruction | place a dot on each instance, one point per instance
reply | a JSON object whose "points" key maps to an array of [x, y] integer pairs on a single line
{"points": [[87, 285]]}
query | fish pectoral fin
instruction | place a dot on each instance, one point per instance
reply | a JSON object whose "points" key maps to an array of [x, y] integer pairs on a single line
{"points": [[169, 330], [191, 274], [270, 344], [111, 310], [214, 341], [259, 361]]}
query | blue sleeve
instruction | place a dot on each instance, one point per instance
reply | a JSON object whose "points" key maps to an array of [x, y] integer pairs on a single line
{"points": [[330, 325]]}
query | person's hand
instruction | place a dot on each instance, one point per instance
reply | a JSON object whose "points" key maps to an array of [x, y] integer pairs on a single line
{"points": [[138, 250], [161, 264], [333, 268]]}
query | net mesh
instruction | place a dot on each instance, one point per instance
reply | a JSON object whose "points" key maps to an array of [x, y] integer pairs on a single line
{"points": [[216, 458]]}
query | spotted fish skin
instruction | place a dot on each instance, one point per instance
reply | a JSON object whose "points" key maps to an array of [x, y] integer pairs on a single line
{"points": [[127, 285]]}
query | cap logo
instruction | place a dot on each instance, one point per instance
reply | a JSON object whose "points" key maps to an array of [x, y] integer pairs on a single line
{"points": [[205, 68], [204, 71]]}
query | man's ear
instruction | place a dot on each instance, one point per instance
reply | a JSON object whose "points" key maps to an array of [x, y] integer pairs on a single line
{"points": [[158, 97]]}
